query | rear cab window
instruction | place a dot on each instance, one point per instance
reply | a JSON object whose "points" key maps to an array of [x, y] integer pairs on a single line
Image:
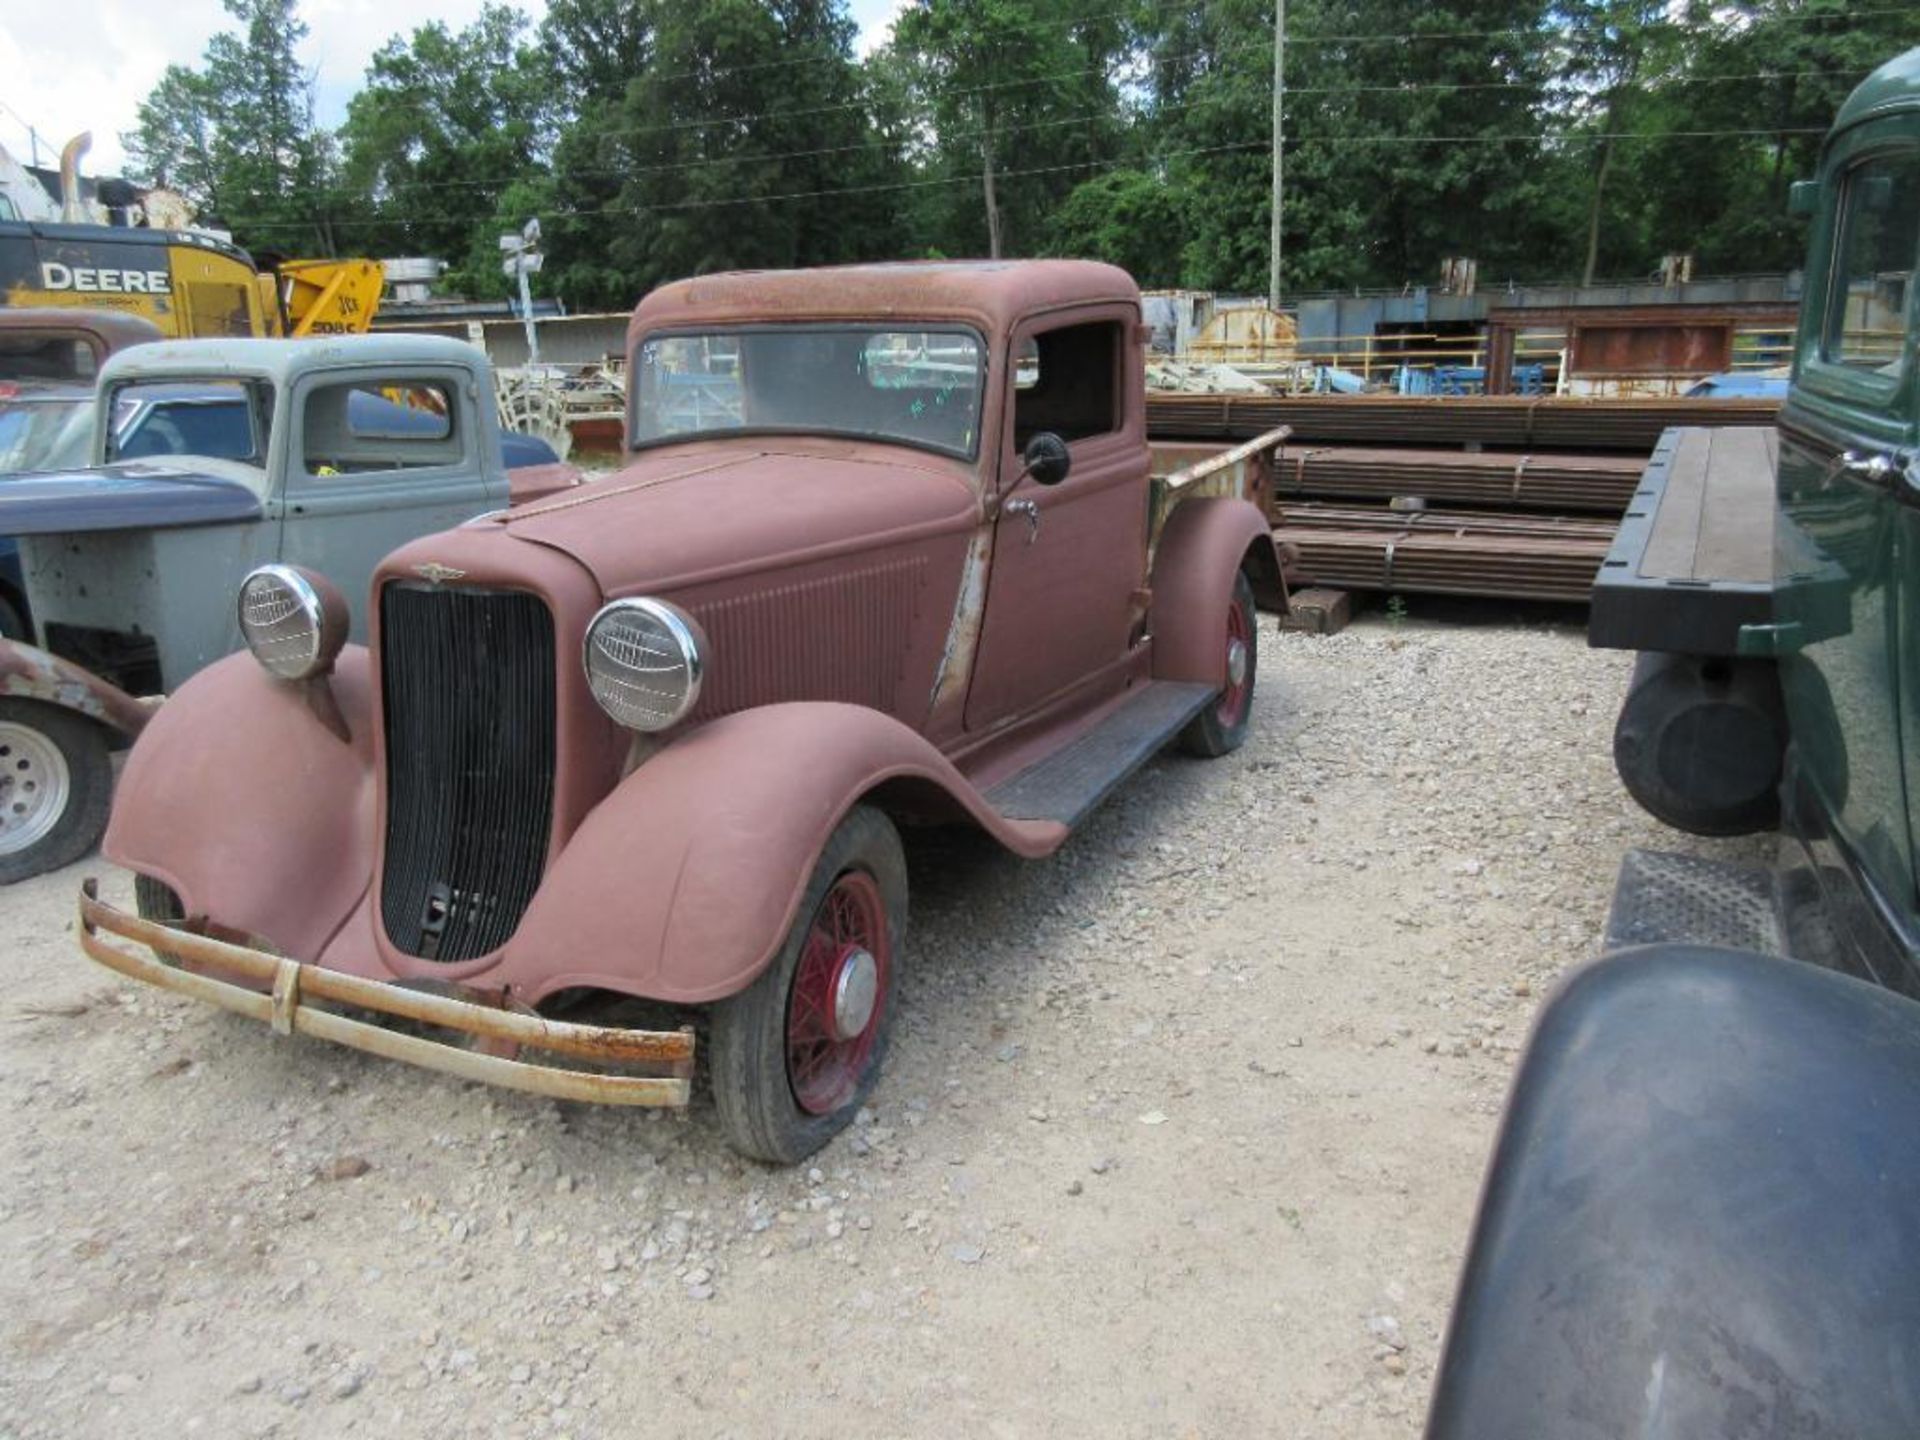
{"points": [[1067, 381]]}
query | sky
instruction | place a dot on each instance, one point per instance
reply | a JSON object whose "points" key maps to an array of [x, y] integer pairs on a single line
{"points": [[73, 65]]}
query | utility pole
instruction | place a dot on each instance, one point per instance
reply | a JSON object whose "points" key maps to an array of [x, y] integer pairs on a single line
{"points": [[1274, 244]]}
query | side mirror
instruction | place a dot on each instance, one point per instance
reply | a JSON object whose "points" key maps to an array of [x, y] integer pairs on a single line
{"points": [[1047, 459], [1803, 197]]}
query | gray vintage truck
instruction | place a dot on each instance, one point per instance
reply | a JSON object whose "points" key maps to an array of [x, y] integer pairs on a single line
{"points": [[214, 457]]}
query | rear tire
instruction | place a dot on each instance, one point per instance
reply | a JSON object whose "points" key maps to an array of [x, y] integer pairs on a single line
{"points": [[790, 1068], [56, 784], [1222, 727]]}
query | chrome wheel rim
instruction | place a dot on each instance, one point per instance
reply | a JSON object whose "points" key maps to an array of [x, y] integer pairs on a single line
{"points": [[34, 784]]}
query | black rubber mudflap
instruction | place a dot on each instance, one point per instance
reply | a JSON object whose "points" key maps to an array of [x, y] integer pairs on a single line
{"points": [[1071, 781], [1685, 900]]}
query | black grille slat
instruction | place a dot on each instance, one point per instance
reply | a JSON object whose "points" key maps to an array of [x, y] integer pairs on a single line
{"points": [[467, 679]]}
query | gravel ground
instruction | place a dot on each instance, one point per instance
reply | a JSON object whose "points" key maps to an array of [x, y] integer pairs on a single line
{"points": [[1180, 1134]]}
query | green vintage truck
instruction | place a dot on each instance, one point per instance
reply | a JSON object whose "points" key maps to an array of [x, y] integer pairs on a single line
{"points": [[1702, 1216], [1771, 582]]}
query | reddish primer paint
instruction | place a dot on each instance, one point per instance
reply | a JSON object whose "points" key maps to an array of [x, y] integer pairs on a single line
{"points": [[851, 592]]}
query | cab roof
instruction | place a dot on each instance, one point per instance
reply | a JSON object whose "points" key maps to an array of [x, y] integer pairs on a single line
{"points": [[990, 294], [1894, 86], [278, 361], [105, 331]]}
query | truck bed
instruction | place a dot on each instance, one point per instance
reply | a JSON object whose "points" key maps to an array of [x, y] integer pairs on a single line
{"points": [[1692, 561]]}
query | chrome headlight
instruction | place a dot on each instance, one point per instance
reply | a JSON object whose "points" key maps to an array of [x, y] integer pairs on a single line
{"points": [[644, 663], [294, 621]]}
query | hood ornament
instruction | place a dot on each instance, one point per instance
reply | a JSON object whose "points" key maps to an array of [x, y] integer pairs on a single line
{"points": [[435, 573]]}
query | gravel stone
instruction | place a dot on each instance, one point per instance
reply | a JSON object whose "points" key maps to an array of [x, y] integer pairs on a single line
{"points": [[1208, 920]]}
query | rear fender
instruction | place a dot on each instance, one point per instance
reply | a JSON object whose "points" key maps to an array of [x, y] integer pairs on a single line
{"points": [[243, 797], [32, 674], [1206, 543], [682, 884]]}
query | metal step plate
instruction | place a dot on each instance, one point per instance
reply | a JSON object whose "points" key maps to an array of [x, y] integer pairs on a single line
{"points": [[1071, 781], [1685, 900]]}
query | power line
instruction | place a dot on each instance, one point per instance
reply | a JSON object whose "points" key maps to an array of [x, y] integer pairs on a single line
{"points": [[1203, 52], [1371, 37], [33, 134], [718, 202], [1078, 117], [1068, 23]]}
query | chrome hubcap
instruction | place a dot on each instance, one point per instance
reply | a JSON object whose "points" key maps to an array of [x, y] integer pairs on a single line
{"points": [[855, 989], [33, 787], [1236, 662]]}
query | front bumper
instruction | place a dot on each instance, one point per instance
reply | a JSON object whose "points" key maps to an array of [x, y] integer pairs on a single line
{"points": [[283, 993]]}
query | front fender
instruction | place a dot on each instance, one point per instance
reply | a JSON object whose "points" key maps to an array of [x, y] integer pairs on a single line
{"points": [[32, 674], [1208, 540], [241, 797], [682, 883], [1702, 1216]]}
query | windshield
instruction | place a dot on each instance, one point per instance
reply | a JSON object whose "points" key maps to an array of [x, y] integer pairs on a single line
{"points": [[917, 387], [46, 433]]}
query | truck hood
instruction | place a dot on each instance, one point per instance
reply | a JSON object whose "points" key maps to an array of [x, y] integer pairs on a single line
{"points": [[694, 514], [132, 495]]}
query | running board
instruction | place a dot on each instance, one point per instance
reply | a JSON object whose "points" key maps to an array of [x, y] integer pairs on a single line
{"points": [[1066, 785], [1665, 899]]}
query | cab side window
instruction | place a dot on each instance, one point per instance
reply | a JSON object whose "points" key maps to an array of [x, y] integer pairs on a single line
{"points": [[1067, 381], [1875, 250], [355, 427]]}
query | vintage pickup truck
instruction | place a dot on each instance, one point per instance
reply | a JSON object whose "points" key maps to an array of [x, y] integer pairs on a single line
{"points": [[889, 549], [49, 359], [213, 457], [1703, 1214]]}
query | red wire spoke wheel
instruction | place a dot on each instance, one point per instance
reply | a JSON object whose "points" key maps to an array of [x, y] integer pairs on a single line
{"points": [[838, 995], [1222, 727], [795, 1054], [1237, 698]]}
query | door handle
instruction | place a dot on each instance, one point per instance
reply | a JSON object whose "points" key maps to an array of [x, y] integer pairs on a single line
{"points": [[1872, 468], [1031, 510]]}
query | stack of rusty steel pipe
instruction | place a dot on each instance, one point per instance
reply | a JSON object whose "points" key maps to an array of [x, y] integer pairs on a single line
{"points": [[1535, 486], [1496, 421], [1433, 552], [1503, 480]]}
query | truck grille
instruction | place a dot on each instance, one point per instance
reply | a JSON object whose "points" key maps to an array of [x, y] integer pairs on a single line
{"points": [[467, 679]]}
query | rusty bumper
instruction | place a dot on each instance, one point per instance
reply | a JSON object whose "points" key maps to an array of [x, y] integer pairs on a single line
{"points": [[290, 997]]}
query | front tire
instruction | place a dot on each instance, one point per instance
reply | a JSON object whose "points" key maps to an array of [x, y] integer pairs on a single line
{"points": [[56, 783], [797, 1052], [1222, 727]]}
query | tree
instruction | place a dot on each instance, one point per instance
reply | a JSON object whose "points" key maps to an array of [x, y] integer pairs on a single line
{"points": [[744, 142], [1780, 67], [1613, 50], [174, 146], [443, 129], [1411, 135], [594, 47], [994, 79], [1127, 218], [239, 134]]}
